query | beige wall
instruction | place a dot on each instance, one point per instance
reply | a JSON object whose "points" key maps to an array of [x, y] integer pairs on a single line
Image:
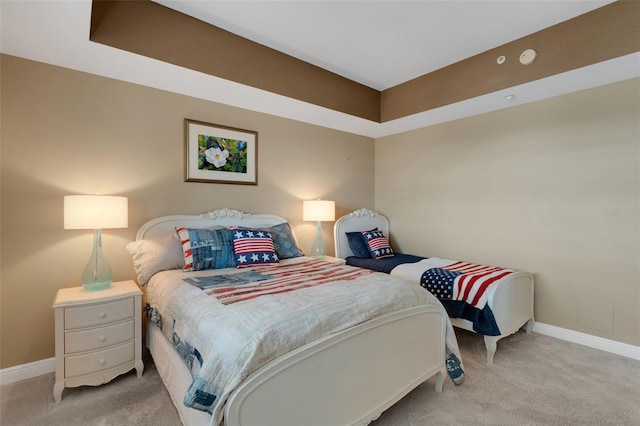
{"points": [[551, 187], [65, 132]]}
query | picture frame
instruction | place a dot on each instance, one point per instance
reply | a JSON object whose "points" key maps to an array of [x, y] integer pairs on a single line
{"points": [[220, 154]]}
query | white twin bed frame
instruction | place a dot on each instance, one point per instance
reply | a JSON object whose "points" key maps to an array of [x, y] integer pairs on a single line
{"points": [[511, 300], [346, 378]]}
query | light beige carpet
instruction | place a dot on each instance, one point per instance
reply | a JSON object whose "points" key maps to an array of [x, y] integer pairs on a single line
{"points": [[535, 380]]}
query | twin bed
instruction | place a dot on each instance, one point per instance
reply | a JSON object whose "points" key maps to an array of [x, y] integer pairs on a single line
{"points": [[245, 330], [497, 304]]}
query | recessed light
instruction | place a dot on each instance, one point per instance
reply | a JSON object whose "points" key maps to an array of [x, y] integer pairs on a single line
{"points": [[510, 97]]}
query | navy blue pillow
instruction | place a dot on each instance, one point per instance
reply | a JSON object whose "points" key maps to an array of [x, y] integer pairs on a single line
{"points": [[357, 244]]}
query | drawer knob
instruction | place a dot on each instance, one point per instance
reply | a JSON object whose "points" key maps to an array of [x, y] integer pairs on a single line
{"points": [[103, 315], [102, 339], [102, 361]]}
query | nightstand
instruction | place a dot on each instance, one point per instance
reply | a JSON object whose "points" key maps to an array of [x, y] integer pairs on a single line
{"points": [[98, 335]]}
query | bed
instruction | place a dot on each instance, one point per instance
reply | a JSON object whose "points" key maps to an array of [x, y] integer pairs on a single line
{"points": [[352, 359], [506, 304]]}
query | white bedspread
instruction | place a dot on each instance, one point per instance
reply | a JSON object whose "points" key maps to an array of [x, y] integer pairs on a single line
{"points": [[223, 344]]}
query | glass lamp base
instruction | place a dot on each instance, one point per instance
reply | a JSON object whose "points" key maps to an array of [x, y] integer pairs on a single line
{"points": [[96, 285], [97, 274], [318, 249]]}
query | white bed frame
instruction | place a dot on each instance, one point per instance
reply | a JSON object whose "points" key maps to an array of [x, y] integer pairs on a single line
{"points": [[511, 301], [346, 378]]}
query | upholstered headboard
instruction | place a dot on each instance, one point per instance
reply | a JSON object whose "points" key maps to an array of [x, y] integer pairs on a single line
{"points": [[359, 220]]}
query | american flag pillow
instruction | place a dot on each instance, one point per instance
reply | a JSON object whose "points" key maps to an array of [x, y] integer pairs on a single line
{"points": [[253, 247], [377, 244]]}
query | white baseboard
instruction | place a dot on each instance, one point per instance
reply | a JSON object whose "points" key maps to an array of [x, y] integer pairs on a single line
{"points": [[27, 371], [46, 366], [611, 346]]}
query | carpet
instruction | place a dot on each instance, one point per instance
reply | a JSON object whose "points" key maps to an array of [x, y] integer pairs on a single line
{"points": [[534, 380]]}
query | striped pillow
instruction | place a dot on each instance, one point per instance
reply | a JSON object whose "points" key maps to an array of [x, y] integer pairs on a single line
{"points": [[377, 244], [253, 247]]}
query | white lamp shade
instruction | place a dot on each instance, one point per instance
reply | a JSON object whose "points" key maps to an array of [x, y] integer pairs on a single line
{"points": [[95, 212], [319, 210]]}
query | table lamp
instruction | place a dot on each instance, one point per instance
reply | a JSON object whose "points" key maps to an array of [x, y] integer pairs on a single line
{"points": [[96, 212], [320, 211]]}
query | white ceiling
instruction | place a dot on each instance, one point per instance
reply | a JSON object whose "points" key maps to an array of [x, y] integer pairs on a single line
{"points": [[379, 44]]}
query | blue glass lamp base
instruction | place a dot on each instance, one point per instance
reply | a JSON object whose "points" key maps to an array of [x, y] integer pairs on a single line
{"points": [[97, 274], [318, 249], [96, 286]]}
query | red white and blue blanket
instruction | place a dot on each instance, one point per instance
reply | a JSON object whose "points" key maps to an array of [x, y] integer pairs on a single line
{"points": [[467, 282], [285, 278], [461, 287]]}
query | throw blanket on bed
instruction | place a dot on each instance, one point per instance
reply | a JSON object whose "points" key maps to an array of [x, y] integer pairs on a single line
{"points": [[223, 344], [415, 268], [286, 278], [463, 281], [480, 314]]}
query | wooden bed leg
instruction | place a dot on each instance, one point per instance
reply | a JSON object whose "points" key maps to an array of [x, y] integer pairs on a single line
{"points": [[439, 381], [491, 342]]}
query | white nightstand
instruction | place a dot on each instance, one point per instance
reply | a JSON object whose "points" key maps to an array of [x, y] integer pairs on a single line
{"points": [[98, 335]]}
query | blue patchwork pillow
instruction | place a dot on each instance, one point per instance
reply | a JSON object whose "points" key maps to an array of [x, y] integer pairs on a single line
{"points": [[253, 247], [284, 241], [357, 244], [378, 244], [206, 248]]}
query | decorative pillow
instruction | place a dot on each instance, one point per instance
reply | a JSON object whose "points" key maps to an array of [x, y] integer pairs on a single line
{"points": [[357, 244], [209, 248], [283, 240], [253, 247], [155, 255], [378, 244]]}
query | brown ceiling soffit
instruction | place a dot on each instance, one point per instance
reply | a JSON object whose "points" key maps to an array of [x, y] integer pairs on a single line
{"points": [[155, 31], [152, 30], [602, 34]]}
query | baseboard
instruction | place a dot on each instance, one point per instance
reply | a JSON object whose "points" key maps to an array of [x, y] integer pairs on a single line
{"points": [[27, 371], [611, 346]]}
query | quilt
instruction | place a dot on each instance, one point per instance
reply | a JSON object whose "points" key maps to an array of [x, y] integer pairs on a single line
{"points": [[222, 343]]}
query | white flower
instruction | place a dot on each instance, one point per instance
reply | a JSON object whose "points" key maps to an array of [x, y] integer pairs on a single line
{"points": [[216, 156]]}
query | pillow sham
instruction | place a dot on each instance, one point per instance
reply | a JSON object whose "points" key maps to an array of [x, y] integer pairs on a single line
{"points": [[155, 255], [253, 247], [378, 244], [357, 244], [283, 240], [207, 248]]}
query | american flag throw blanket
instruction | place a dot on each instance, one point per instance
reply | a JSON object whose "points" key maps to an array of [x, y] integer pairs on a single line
{"points": [[286, 278], [467, 282]]}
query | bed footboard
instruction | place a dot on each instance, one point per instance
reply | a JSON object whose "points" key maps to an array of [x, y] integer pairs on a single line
{"points": [[358, 373], [512, 305]]}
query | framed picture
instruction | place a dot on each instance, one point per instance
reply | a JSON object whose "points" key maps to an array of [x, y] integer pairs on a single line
{"points": [[220, 154]]}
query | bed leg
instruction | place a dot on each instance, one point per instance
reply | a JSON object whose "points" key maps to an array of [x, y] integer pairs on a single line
{"points": [[440, 381], [491, 342], [528, 327]]}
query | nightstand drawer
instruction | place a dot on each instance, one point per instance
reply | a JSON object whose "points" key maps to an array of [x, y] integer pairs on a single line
{"points": [[86, 340], [94, 362], [104, 313]]}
